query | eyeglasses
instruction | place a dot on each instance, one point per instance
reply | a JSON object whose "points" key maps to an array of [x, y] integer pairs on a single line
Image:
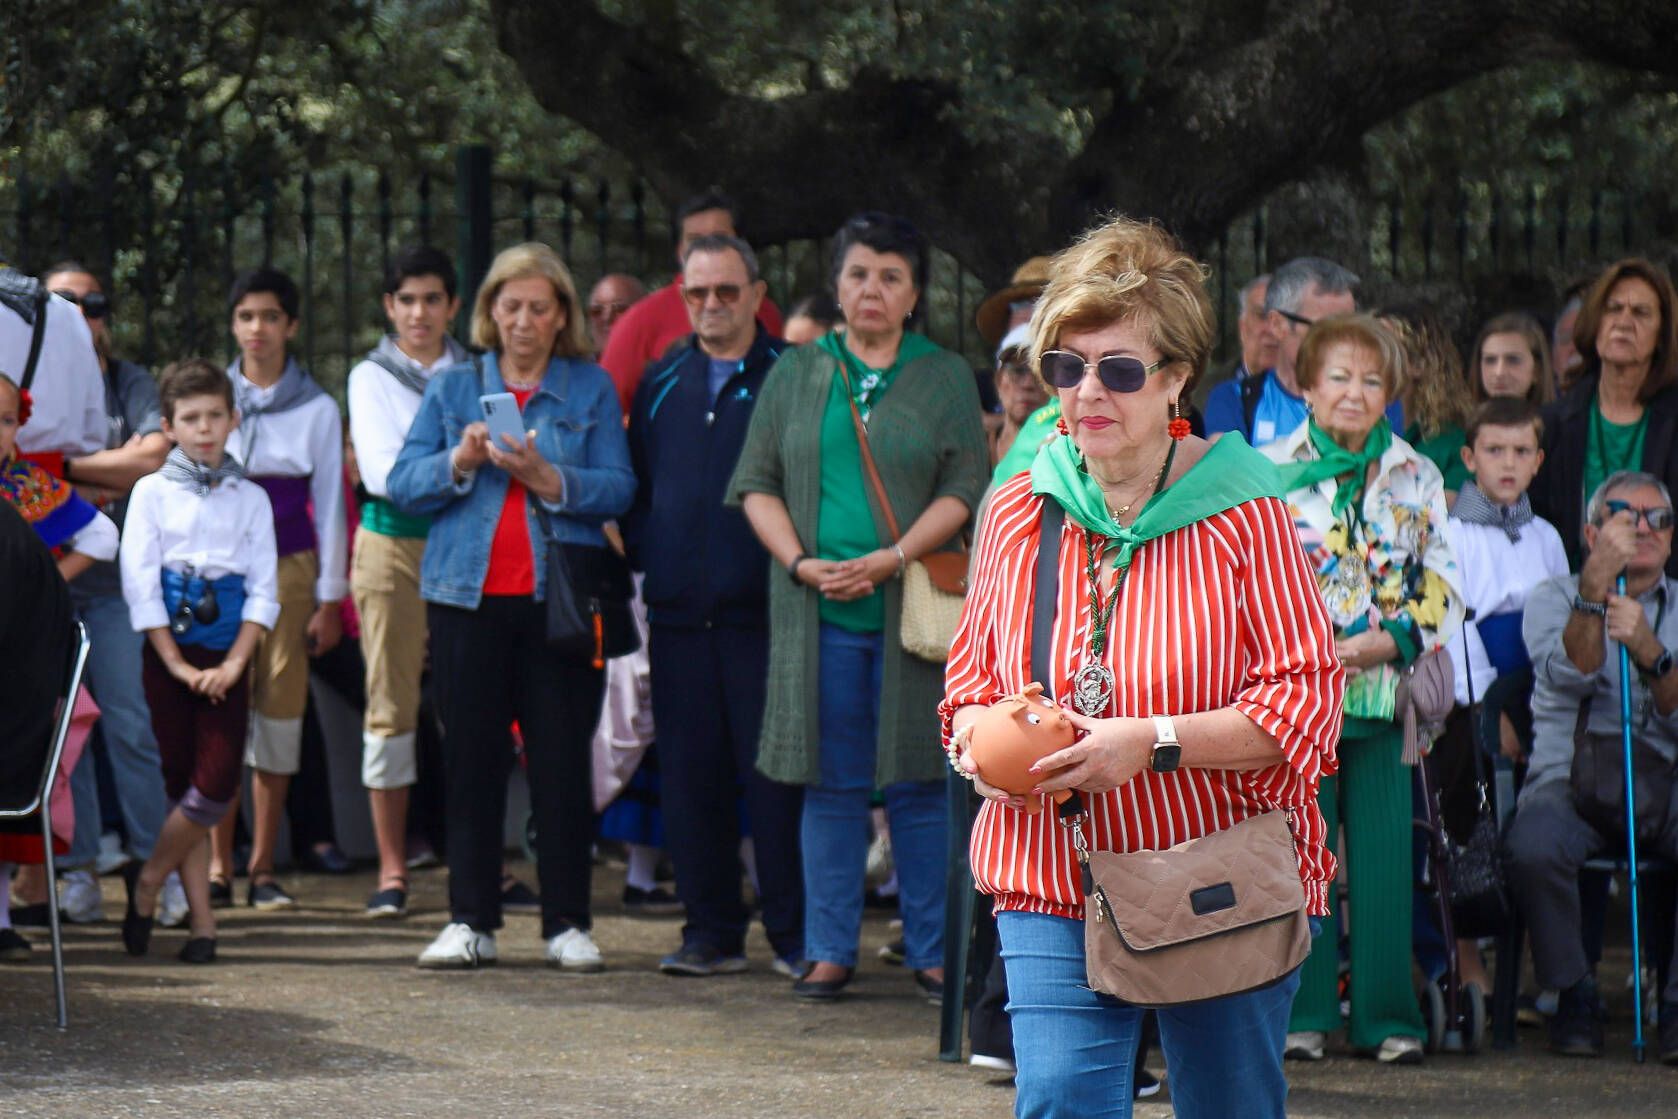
{"points": [[601, 310], [1659, 519], [1064, 370], [1300, 319], [205, 612], [94, 304], [727, 294]]}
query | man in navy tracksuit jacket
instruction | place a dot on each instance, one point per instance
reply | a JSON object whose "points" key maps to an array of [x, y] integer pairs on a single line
{"points": [[707, 597]]}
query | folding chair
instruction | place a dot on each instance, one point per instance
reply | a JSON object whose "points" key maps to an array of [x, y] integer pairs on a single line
{"points": [[42, 804]]}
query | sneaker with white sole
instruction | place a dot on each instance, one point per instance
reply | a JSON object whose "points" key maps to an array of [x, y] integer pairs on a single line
{"points": [[1398, 1050], [1305, 1045], [992, 1063], [79, 898], [574, 950], [171, 903], [459, 946], [111, 857]]}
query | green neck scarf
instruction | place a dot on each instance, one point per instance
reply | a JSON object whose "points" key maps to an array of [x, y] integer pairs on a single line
{"points": [[1229, 474], [868, 385], [1336, 460]]}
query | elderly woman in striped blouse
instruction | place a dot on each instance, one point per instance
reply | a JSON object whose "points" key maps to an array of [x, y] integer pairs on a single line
{"points": [[1184, 611]]}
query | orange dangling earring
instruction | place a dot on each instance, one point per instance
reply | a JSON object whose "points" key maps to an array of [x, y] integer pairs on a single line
{"points": [[1060, 426], [1178, 428]]}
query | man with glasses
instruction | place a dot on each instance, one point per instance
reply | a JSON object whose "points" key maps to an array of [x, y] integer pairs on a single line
{"points": [[660, 320], [706, 590], [133, 445], [608, 301], [1574, 627]]}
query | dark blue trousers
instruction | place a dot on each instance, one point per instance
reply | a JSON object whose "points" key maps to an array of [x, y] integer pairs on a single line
{"points": [[708, 690]]}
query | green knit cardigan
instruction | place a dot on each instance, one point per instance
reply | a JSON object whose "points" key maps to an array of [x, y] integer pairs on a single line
{"points": [[928, 441]]}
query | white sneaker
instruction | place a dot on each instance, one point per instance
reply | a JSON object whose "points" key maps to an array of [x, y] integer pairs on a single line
{"points": [[112, 857], [995, 1064], [171, 902], [1400, 1051], [574, 950], [459, 946], [1305, 1045], [79, 898]]}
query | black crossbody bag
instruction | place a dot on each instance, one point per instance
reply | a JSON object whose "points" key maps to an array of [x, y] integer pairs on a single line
{"points": [[589, 591]]}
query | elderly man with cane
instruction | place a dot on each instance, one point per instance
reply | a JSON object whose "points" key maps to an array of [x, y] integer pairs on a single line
{"points": [[1605, 704]]}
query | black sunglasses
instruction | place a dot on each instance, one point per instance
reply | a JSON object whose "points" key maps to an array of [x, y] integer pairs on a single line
{"points": [[1659, 519], [206, 612], [1064, 370], [1300, 319], [94, 304]]}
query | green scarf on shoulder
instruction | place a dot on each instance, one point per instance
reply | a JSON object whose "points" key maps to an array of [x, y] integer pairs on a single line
{"points": [[1229, 474], [1336, 460], [868, 385]]}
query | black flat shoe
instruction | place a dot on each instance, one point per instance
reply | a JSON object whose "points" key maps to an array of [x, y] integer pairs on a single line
{"points": [[932, 989], [820, 989], [136, 930], [199, 950]]}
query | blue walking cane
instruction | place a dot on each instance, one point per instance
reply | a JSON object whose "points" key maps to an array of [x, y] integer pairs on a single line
{"points": [[1631, 842]]}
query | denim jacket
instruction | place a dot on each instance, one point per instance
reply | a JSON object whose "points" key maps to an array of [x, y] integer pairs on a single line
{"points": [[579, 428]]}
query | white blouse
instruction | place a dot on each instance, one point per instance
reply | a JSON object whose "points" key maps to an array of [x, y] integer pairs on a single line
{"points": [[229, 531]]}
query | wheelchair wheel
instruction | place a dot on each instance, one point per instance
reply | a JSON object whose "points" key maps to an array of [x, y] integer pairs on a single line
{"points": [[1473, 1018], [1434, 1017]]}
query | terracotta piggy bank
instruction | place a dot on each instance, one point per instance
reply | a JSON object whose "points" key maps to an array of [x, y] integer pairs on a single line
{"points": [[1010, 737]]}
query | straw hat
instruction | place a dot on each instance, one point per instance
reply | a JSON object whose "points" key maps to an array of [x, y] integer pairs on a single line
{"points": [[1029, 281]]}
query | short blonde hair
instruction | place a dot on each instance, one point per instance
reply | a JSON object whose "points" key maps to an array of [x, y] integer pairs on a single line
{"points": [[521, 262], [1128, 270], [1362, 330]]}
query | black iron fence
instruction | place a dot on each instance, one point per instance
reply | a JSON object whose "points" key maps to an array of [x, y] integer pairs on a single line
{"points": [[173, 250]]}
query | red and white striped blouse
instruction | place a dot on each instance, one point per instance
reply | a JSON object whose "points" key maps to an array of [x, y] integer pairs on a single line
{"points": [[1221, 613]]}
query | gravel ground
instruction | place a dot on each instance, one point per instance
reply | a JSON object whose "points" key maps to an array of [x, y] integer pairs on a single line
{"points": [[321, 1014]]}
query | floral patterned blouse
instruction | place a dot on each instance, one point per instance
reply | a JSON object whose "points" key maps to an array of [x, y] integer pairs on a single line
{"points": [[1385, 564]]}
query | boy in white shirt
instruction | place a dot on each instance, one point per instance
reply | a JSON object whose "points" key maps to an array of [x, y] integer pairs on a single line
{"points": [[198, 572], [1503, 550], [290, 439], [385, 389]]}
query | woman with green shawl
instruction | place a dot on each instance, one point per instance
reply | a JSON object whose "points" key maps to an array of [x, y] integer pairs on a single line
{"points": [[849, 711], [1370, 512]]}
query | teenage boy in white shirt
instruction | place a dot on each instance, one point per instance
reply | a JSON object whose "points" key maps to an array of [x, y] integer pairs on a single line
{"points": [[198, 573], [291, 441], [384, 396]]}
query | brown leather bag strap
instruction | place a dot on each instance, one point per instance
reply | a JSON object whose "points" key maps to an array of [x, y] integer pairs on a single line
{"points": [[868, 466]]}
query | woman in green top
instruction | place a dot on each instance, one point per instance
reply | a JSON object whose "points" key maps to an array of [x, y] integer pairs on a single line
{"points": [[848, 711], [1435, 394], [1621, 412]]}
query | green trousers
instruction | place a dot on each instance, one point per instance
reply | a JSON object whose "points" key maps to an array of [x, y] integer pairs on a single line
{"points": [[1370, 798]]}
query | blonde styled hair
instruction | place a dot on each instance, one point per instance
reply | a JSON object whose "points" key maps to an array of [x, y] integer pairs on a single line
{"points": [[1360, 329], [1128, 270], [522, 262], [1432, 369]]}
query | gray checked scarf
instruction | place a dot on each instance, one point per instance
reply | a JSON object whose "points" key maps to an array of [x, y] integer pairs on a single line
{"points": [[1476, 508], [392, 360], [179, 467]]}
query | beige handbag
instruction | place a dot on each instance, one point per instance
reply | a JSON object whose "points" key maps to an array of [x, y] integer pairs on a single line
{"points": [[934, 586], [1215, 916]]}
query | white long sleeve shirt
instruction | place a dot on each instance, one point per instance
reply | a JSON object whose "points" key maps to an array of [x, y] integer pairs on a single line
{"points": [[229, 531], [1497, 574], [305, 442], [69, 388], [382, 409], [97, 539]]}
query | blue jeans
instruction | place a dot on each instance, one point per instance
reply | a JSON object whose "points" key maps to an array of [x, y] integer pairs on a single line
{"points": [[113, 676], [1075, 1049], [835, 828]]}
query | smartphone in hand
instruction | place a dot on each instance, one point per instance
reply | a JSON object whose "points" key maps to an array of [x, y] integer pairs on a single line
{"points": [[501, 415]]}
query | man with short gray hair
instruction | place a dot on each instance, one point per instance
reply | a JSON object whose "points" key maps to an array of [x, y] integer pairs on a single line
{"points": [[1573, 627], [1258, 353]]}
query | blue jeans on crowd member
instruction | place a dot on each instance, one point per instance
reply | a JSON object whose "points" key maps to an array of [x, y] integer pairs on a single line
{"points": [[113, 676], [835, 828], [1076, 1049]]}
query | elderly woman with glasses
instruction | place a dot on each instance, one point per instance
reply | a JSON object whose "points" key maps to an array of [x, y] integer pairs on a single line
{"points": [[1370, 512], [1189, 652], [849, 710]]}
